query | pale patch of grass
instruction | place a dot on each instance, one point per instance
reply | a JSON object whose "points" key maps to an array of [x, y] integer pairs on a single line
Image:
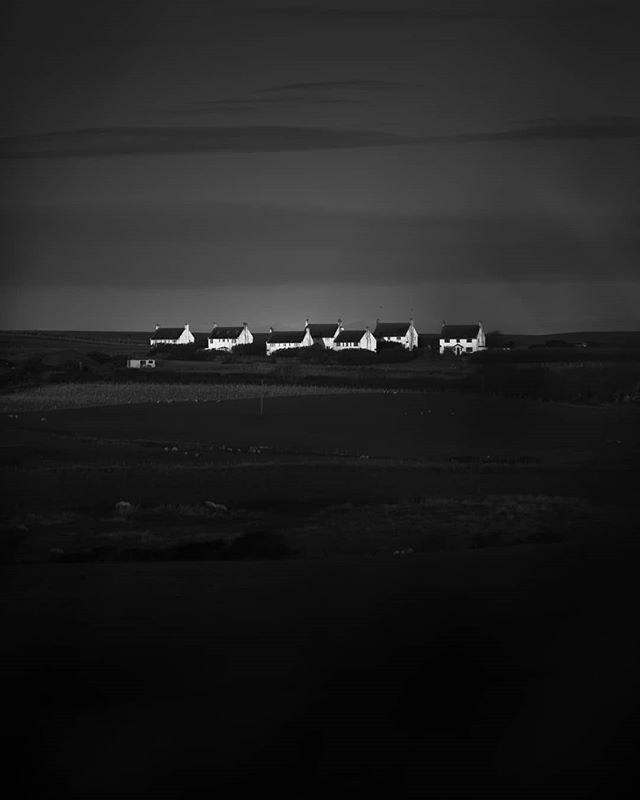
{"points": [[87, 395]]}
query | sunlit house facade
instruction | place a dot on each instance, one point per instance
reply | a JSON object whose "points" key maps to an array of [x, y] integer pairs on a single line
{"points": [[355, 339], [461, 339], [286, 340], [324, 333], [227, 337], [402, 333], [163, 336]]}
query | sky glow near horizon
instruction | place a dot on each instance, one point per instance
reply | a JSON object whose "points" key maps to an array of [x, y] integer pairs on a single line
{"points": [[170, 163]]}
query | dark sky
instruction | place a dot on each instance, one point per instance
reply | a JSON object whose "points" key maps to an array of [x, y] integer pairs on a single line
{"points": [[169, 162]]}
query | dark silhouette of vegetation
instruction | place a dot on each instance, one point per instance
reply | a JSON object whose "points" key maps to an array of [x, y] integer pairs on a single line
{"points": [[253, 349]]}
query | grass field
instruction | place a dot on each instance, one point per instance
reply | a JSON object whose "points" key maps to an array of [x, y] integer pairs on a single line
{"points": [[428, 594], [428, 427], [371, 459], [89, 394]]}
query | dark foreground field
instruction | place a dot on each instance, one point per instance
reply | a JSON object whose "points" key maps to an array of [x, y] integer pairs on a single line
{"points": [[494, 673], [432, 596]]}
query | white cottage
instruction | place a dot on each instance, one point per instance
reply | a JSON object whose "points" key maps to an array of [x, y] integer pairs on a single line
{"points": [[171, 336], [141, 363], [227, 337], [400, 332], [285, 340], [350, 340], [324, 333], [461, 339]]}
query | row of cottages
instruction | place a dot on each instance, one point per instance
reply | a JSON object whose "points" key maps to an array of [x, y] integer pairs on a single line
{"points": [[331, 335], [459, 339]]}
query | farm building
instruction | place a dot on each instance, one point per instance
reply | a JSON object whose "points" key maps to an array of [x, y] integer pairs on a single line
{"points": [[324, 333], [141, 363], [462, 338], [227, 337], [284, 340], [363, 339], [400, 332], [171, 336]]}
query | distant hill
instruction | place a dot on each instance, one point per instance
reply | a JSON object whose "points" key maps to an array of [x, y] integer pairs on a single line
{"points": [[602, 338], [22, 344]]}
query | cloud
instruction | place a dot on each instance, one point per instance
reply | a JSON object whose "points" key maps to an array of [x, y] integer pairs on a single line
{"points": [[175, 140], [597, 127], [355, 83], [252, 103], [273, 138]]}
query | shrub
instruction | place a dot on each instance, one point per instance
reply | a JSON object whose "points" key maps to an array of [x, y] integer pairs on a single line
{"points": [[289, 352], [384, 345], [356, 356], [395, 355], [180, 352], [253, 349]]}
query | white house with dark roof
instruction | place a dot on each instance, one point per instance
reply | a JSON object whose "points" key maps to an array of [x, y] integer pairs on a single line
{"points": [[400, 332], [285, 340], [171, 336], [226, 337], [324, 333], [353, 339], [461, 339]]}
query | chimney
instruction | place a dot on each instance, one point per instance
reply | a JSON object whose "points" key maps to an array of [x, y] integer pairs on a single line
{"points": [[244, 325], [480, 323], [186, 326], [306, 323], [411, 321], [157, 327], [271, 329]]}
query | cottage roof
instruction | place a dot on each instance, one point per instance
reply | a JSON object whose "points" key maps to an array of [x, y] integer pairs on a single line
{"points": [[282, 337], [167, 333], [349, 336], [391, 328], [226, 332], [459, 331], [322, 330]]}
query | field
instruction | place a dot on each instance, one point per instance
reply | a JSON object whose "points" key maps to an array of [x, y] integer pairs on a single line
{"points": [[298, 468], [317, 592]]}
